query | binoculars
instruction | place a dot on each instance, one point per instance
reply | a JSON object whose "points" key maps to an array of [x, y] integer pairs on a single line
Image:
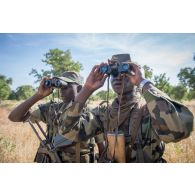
{"points": [[115, 69], [55, 82]]}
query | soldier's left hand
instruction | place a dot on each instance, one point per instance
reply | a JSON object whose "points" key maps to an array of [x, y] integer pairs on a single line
{"points": [[135, 76]]}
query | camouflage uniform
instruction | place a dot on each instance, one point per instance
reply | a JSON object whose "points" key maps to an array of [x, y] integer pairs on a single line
{"points": [[49, 113], [163, 120]]}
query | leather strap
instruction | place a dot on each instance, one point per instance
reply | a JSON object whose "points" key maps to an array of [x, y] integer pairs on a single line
{"points": [[78, 148], [135, 121]]}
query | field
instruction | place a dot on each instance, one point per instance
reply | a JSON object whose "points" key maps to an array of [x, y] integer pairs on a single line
{"points": [[18, 142]]}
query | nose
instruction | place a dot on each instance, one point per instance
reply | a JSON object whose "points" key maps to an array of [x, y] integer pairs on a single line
{"points": [[117, 78]]}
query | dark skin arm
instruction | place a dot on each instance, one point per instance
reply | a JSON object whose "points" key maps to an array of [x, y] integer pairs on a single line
{"points": [[94, 81], [20, 113]]}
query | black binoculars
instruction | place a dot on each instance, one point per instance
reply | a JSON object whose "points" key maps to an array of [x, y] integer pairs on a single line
{"points": [[115, 69], [55, 82]]}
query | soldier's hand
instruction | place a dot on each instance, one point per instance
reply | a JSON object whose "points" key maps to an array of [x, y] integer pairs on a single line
{"points": [[136, 75], [44, 91], [96, 79]]}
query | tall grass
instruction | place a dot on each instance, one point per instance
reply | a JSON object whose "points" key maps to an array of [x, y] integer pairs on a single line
{"points": [[18, 142]]}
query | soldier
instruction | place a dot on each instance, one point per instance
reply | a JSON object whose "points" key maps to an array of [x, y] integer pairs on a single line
{"points": [[148, 117], [68, 149]]}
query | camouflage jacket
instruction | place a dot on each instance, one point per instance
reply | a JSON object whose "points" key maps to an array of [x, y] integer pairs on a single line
{"points": [[164, 120], [49, 113]]}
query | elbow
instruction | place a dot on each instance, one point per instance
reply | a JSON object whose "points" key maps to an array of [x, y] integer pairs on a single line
{"points": [[187, 129], [182, 135], [14, 118], [11, 117]]}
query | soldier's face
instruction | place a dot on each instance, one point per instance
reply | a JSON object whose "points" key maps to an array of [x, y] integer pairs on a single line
{"points": [[69, 92], [116, 83]]}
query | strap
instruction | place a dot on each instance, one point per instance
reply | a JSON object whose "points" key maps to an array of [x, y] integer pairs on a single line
{"points": [[139, 150], [136, 117], [78, 148]]}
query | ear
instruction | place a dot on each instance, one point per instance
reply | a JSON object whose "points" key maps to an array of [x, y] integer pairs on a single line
{"points": [[79, 87]]}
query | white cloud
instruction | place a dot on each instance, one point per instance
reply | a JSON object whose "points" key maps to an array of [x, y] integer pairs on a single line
{"points": [[164, 53]]}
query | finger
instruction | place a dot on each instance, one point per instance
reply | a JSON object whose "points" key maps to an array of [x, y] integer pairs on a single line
{"points": [[97, 72], [134, 69], [94, 68], [42, 81], [102, 65], [104, 78]]}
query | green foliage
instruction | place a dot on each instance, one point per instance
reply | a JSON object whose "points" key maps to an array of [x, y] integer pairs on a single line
{"points": [[187, 77], [148, 72], [178, 92], [13, 95], [59, 62], [162, 83], [24, 92], [186, 88], [93, 98], [5, 89], [102, 95], [191, 95]]}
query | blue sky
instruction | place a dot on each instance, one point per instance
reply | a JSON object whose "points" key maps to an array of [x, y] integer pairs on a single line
{"points": [[164, 53]]}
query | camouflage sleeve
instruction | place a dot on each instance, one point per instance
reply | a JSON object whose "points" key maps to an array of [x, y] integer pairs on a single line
{"points": [[84, 124], [35, 115], [171, 120], [39, 114]]}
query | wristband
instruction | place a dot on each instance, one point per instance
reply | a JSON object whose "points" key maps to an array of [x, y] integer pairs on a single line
{"points": [[142, 84]]}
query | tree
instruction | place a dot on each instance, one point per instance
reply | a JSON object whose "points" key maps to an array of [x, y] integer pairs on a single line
{"points": [[187, 77], [148, 72], [5, 89], [102, 95], [191, 95], [59, 62], [12, 95], [162, 83], [178, 92], [24, 92]]}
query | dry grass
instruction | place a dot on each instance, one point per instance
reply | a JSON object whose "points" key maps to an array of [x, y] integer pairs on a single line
{"points": [[183, 151], [18, 142]]}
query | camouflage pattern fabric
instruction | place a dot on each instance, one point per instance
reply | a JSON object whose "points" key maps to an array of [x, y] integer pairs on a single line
{"points": [[164, 120], [49, 113]]}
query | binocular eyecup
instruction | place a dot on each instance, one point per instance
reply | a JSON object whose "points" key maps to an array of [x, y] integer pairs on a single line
{"points": [[54, 82], [115, 69]]}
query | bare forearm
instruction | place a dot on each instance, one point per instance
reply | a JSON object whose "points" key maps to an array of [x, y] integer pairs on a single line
{"points": [[19, 113]]}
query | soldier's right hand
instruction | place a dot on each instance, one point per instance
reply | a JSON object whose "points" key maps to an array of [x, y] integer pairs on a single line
{"points": [[44, 91], [96, 79]]}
